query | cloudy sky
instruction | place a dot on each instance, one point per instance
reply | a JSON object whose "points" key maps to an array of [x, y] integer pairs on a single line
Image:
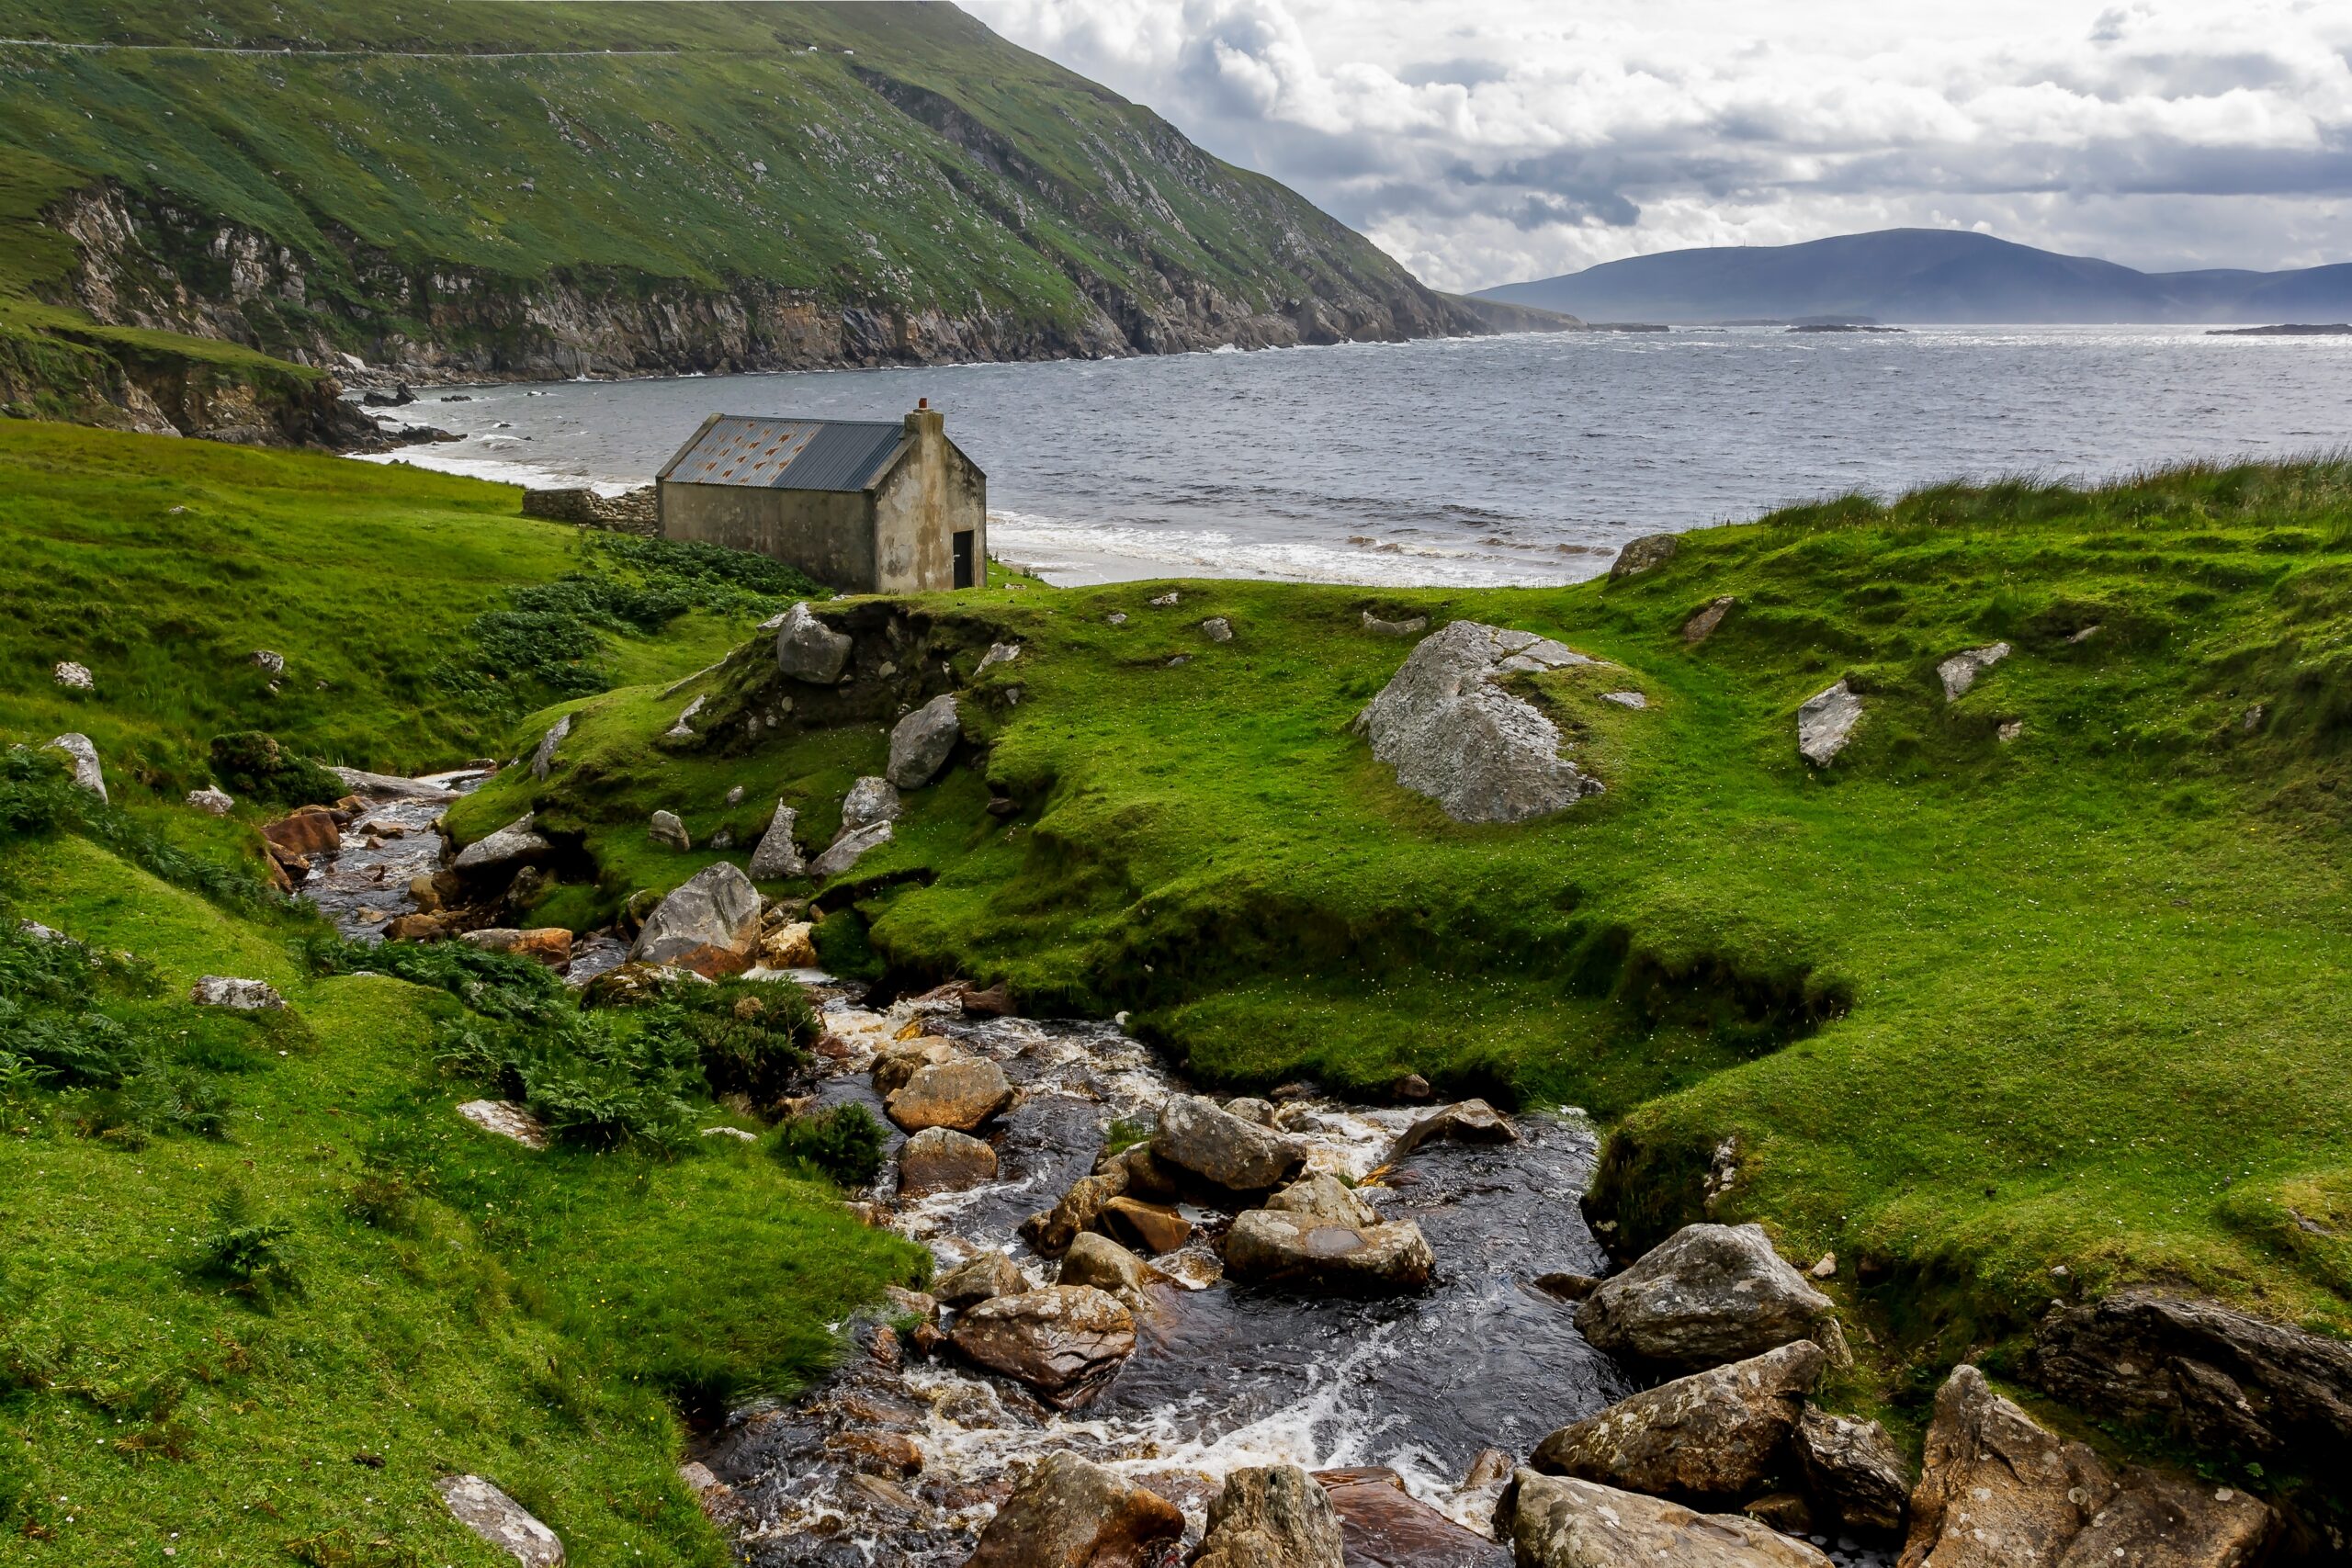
{"points": [[1482, 141]]}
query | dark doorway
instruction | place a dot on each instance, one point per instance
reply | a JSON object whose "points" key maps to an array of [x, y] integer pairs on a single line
{"points": [[963, 559]]}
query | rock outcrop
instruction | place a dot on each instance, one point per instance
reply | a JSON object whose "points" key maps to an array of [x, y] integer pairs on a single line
{"points": [[1852, 1472], [88, 773], [1453, 734], [1071, 1512], [777, 855], [1702, 624], [500, 1521], [1645, 554], [1273, 1516], [1709, 1439], [1558, 1521], [920, 742], [1221, 1148], [1097, 1260], [709, 924], [543, 755], [1705, 1295], [551, 945], [1064, 1341], [1826, 723], [1999, 1490]]}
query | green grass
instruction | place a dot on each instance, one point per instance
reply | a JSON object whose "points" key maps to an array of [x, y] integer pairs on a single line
{"points": [[1972, 1010]]}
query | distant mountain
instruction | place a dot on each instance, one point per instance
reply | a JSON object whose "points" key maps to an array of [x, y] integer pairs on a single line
{"points": [[1926, 274]]}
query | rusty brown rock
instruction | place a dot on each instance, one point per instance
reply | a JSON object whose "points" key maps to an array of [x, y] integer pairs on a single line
{"points": [[1154, 1227], [963, 1094], [308, 831], [940, 1159], [1065, 1341], [1080, 1209], [550, 945], [902, 1059], [1384, 1525], [1071, 1512]]}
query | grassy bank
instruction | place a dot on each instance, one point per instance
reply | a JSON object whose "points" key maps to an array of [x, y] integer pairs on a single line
{"points": [[1972, 1010], [258, 1284]]}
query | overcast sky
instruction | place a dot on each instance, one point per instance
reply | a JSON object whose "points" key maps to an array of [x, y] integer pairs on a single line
{"points": [[1483, 141]]}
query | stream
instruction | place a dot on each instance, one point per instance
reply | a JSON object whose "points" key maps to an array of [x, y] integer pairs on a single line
{"points": [[896, 1461]]}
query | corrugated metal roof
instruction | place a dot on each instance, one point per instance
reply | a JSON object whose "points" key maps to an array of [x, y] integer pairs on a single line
{"points": [[787, 454]]}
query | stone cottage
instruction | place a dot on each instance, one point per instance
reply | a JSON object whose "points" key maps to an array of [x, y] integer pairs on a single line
{"points": [[865, 507]]}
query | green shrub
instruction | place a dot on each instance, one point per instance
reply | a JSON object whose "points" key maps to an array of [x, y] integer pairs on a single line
{"points": [[36, 793], [751, 1036], [844, 1143], [252, 765], [73, 1048], [154, 1100], [496, 985], [246, 1253]]}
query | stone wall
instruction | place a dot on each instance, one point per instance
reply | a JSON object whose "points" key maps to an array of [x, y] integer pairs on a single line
{"points": [[632, 512]]}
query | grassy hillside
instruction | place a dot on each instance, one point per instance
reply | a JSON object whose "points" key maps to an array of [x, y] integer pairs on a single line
{"points": [[1972, 1009], [258, 1284], [686, 185]]}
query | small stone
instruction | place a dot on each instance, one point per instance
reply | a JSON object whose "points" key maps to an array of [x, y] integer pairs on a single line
{"points": [[213, 802], [500, 1521], [1826, 722], [1238, 1155], [1216, 628], [1959, 671], [940, 1159], [735, 1133], [543, 756], [1155, 1227], [870, 800], [665, 829], [1707, 1294], [507, 1119], [792, 945], [1165, 601], [515, 842], [978, 1278], [1568, 1287], [1068, 1512], [1625, 699], [2010, 729], [241, 996], [1702, 626], [270, 664], [1116, 619], [1414, 626], [550, 945], [848, 849], [735, 795], [998, 653], [1710, 1439], [1464, 1121], [1824, 1267], [73, 677], [2084, 636]]}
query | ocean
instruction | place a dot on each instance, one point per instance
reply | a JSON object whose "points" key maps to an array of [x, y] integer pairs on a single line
{"points": [[1521, 460]]}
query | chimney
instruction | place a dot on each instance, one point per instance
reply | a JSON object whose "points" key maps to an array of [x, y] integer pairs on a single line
{"points": [[923, 422]]}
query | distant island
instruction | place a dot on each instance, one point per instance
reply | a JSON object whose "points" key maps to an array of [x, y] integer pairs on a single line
{"points": [[1941, 275], [2287, 329]]}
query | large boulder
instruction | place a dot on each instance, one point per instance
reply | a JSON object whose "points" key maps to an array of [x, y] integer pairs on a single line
{"points": [[1464, 1121], [1219, 1147], [709, 924], [84, 754], [1826, 722], [1453, 734], [1999, 1490], [500, 1521], [777, 856], [515, 844], [920, 742], [1071, 1512], [1065, 1341], [961, 1093], [1646, 553], [809, 650], [1558, 1521], [871, 799], [1324, 1196], [1272, 1516], [1384, 1525], [2220, 1378], [311, 832], [1709, 1440], [940, 1159], [1852, 1471], [1277, 1246], [1705, 1295], [1097, 1260]]}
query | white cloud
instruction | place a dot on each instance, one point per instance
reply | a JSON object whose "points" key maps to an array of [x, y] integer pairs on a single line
{"points": [[1482, 140]]}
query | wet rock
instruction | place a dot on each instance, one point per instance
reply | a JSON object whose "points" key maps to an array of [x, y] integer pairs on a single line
{"points": [[710, 924], [2220, 1378], [1216, 628], [809, 650], [1567, 1286], [551, 945], [903, 1059], [1154, 1227], [961, 1094], [1959, 671], [1709, 1439], [512, 845], [500, 1521], [1702, 626], [848, 849], [1826, 723], [422, 927], [1071, 1512], [389, 786], [311, 832], [1645, 554], [664, 828], [978, 1278], [1272, 1517], [1080, 1209], [1064, 1341], [870, 800], [1097, 1260], [87, 771], [1412, 627], [778, 856], [1143, 1176], [1787, 1511], [1453, 734], [1705, 1295], [543, 757], [1998, 1490], [792, 945], [996, 1001], [1412, 1086], [240, 996], [1852, 1472], [507, 1119], [1251, 1108], [1558, 1521], [1276, 1246], [1220, 1148], [940, 1159], [72, 676], [212, 802], [1465, 1122], [920, 742], [1384, 1525], [1324, 1197]]}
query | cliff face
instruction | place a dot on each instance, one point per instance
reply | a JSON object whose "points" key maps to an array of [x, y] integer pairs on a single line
{"points": [[705, 188]]}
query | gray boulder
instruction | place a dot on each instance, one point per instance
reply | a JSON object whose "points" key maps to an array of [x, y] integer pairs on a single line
{"points": [[845, 850], [809, 650], [73, 677], [1711, 1438], [212, 802], [1464, 1121], [1071, 1512], [1826, 723], [1451, 732], [710, 924], [1272, 1516], [1558, 1521], [777, 855], [500, 1521], [1220, 1148], [1852, 1472], [543, 758], [1645, 554], [240, 996], [512, 845], [1705, 1295], [1959, 671], [870, 800], [389, 786], [1216, 628], [665, 829], [921, 741], [88, 774]]}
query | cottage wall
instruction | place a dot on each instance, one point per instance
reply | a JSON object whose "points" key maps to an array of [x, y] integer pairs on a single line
{"points": [[933, 494], [826, 533]]}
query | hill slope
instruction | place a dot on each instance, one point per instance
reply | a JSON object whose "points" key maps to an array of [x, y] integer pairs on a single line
{"points": [[1926, 274], [633, 188]]}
